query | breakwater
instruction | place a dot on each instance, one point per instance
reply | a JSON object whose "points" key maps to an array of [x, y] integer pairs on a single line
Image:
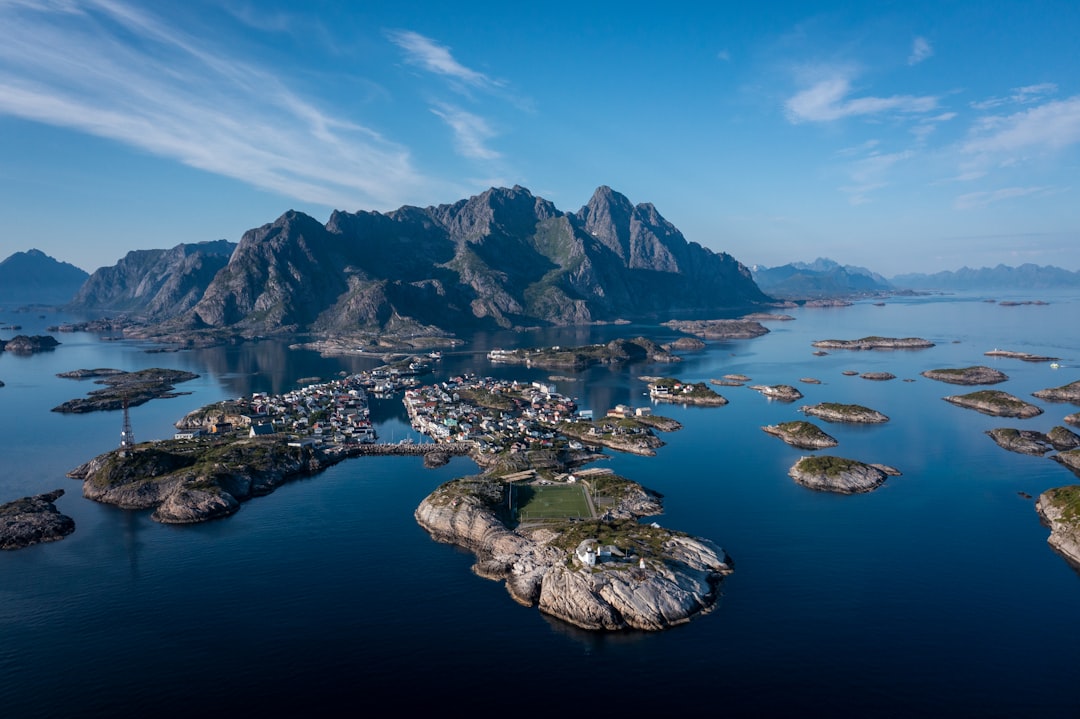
{"points": [[366, 450]]}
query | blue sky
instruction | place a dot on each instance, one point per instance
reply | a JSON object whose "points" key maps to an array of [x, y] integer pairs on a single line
{"points": [[898, 136]]}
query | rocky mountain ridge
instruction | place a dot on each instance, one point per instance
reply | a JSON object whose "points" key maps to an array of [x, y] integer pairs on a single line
{"points": [[503, 258]]}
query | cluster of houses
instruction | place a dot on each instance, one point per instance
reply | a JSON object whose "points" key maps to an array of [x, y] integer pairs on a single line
{"points": [[335, 411], [440, 412]]}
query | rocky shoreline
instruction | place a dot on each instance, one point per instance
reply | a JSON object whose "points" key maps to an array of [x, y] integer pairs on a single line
{"points": [[995, 403], [875, 343], [652, 578], [967, 375], [851, 413], [32, 520], [839, 474], [801, 434], [1059, 509], [132, 388]]}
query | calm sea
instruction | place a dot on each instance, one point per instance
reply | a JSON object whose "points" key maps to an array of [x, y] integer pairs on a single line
{"points": [[936, 595]]}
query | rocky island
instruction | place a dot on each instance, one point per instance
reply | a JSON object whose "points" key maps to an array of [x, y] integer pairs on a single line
{"points": [[134, 388], [781, 392], [839, 474], [878, 376], [1025, 356], [194, 480], [1059, 508], [875, 343], [609, 573], [966, 375], [578, 358], [1066, 393], [669, 389], [1026, 441], [801, 434], [629, 434], [719, 329], [24, 344], [1069, 458], [32, 520], [995, 403], [851, 413]]}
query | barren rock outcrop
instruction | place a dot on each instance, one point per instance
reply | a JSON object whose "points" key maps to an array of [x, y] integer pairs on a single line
{"points": [[839, 474], [32, 520]]}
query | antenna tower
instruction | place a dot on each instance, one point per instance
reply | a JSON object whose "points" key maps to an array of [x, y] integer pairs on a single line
{"points": [[127, 437]]}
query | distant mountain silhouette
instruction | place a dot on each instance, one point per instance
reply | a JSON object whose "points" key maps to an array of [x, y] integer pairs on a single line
{"points": [[32, 277], [823, 278], [1026, 277]]}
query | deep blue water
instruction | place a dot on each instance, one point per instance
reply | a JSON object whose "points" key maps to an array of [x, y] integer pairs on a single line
{"points": [[935, 595]]}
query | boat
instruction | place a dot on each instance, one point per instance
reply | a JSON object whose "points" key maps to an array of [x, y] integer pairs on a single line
{"points": [[1055, 365]]}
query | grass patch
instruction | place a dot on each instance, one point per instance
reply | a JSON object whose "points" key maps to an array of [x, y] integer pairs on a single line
{"points": [[551, 501]]}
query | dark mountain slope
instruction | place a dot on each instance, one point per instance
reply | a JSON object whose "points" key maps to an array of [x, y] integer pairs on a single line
{"points": [[32, 277]]}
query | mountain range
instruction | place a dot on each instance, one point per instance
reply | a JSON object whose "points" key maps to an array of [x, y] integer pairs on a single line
{"points": [[1025, 277], [503, 258], [820, 279]]}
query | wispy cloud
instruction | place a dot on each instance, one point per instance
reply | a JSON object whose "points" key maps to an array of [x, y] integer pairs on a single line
{"points": [[426, 53], [119, 72], [830, 99], [471, 132], [1019, 96], [870, 173], [920, 50], [1050, 126], [974, 200]]}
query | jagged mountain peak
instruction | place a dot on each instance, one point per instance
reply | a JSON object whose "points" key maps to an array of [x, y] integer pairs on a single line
{"points": [[501, 258]]}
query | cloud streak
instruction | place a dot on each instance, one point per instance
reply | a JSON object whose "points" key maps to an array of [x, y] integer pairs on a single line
{"points": [[829, 99], [1048, 127], [167, 93], [433, 57], [973, 200], [471, 132]]}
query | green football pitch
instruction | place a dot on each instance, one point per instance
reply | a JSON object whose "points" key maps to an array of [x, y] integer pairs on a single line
{"points": [[551, 501]]}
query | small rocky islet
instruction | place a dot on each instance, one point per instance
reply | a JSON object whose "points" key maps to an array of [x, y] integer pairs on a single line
{"points": [[801, 434], [849, 413], [33, 520], [29, 344], [1026, 441], [967, 375], [875, 343], [1065, 393], [781, 392], [995, 403], [840, 474], [130, 388]]}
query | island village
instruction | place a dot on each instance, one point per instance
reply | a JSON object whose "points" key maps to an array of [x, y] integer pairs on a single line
{"points": [[483, 415]]}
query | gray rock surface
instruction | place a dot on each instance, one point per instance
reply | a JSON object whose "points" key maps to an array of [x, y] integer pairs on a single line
{"points": [[801, 434], [1066, 393], [851, 413], [32, 520], [967, 375], [838, 474], [681, 583], [875, 343], [995, 403], [1057, 508]]}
